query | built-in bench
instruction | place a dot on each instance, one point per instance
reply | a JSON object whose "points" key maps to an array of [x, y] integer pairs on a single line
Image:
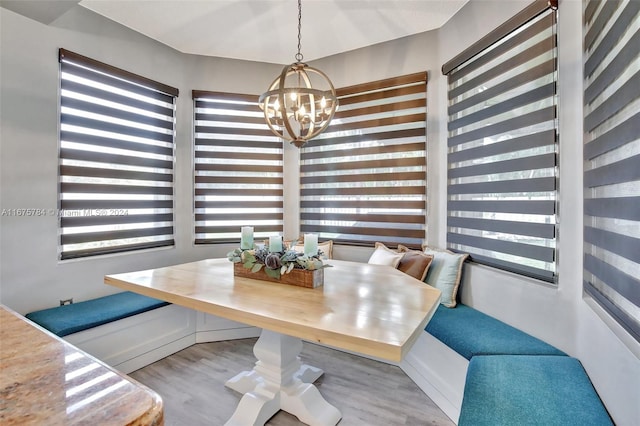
{"points": [[511, 377], [129, 331], [125, 330], [75, 317]]}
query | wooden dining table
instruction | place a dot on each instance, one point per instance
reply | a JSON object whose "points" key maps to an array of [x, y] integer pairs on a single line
{"points": [[368, 309]]}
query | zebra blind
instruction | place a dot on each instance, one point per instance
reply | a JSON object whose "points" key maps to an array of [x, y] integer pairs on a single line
{"points": [[364, 179], [238, 169], [612, 158], [116, 159], [502, 148]]}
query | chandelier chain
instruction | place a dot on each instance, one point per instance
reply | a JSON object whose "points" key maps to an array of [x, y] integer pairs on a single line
{"points": [[295, 109], [299, 56]]}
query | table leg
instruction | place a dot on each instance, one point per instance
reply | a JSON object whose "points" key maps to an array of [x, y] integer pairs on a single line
{"points": [[278, 382]]}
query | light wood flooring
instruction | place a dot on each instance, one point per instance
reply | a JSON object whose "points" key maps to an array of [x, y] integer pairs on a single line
{"points": [[367, 392]]}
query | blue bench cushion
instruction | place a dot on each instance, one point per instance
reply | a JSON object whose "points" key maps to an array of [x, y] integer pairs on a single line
{"points": [[69, 319], [470, 332], [529, 390]]}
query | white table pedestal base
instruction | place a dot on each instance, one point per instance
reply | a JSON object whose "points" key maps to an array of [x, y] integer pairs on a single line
{"points": [[279, 381]]}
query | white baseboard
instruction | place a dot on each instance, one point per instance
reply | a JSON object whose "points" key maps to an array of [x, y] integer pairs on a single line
{"points": [[439, 371]]}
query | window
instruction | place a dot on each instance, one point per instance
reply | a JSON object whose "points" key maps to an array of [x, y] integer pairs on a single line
{"points": [[364, 179], [612, 159], [116, 159], [502, 146], [238, 169]]}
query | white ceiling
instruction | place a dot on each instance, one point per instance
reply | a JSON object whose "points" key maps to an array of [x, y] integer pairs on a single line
{"points": [[266, 30]]}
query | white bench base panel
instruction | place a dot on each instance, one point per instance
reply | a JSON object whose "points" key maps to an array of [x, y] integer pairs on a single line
{"points": [[439, 371], [135, 342]]}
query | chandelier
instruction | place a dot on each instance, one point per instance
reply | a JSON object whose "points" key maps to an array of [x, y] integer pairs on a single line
{"points": [[301, 102]]}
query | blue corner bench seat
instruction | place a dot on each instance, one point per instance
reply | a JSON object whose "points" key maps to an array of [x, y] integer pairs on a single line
{"points": [[470, 332], [529, 390], [76, 317], [514, 378]]}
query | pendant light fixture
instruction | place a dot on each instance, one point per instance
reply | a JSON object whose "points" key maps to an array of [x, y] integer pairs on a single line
{"points": [[301, 102]]}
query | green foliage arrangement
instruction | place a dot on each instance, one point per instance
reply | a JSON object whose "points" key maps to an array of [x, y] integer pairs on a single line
{"points": [[275, 264]]}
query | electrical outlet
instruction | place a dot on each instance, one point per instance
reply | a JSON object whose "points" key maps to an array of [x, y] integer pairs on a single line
{"points": [[66, 302]]}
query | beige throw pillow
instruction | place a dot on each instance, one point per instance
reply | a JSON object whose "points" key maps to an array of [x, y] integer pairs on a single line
{"points": [[382, 255]]}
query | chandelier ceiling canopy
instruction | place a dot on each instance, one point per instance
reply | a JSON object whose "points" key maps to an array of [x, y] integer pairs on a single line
{"points": [[301, 101]]}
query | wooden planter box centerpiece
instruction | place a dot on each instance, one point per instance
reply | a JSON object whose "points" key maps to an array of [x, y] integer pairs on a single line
{"points": [[297, 277]]}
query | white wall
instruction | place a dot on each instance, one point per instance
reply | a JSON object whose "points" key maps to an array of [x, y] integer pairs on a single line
{"points": [[31, 277]]}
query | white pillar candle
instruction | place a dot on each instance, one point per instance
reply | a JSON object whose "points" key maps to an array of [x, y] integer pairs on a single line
{"points": [[275, 243], [310, 244], [246, 238]]}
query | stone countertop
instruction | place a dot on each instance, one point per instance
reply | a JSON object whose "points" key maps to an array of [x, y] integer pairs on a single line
{"points": [[45, 380]]}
